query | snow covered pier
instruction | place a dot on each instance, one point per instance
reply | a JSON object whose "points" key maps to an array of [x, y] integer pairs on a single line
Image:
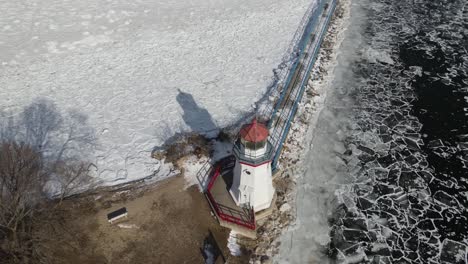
{"points": [[290, 92], [286, 97]]}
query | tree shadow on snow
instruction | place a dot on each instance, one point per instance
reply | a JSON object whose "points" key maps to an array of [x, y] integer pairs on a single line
{"points": [[60, 137]]}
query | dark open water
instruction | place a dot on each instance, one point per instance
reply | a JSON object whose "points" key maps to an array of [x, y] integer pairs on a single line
{"points": [[407, 150]]}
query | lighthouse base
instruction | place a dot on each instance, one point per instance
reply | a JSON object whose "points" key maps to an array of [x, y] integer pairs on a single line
{"points": [[225, 208], [229, 214], [243, 231], [268, 211]]}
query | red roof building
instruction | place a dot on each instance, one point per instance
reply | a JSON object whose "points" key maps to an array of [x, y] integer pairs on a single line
{"points": [[254, 132]]}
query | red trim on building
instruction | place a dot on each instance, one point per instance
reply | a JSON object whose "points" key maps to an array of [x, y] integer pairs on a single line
{"points": [[251, 165], [224, 212]]}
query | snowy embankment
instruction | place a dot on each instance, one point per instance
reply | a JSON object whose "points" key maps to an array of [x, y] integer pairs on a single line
{"points": [[143, 71], [295, 233], [316, 174]]}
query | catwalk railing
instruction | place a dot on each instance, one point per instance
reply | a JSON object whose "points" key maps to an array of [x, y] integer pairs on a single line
{"points": [[292, 92]]}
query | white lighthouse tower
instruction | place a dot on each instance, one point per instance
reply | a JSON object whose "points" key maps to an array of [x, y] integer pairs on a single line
{"points": [[252, 180]]}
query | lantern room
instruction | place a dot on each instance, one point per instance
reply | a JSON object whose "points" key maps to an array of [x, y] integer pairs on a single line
{"points": [[252, 146]]}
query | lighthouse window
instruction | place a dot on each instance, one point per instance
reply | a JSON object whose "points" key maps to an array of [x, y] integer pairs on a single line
{"points": [[254, 145]]}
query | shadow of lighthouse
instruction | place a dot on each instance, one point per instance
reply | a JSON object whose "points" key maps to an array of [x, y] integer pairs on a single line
{"points": [[197, 118]]}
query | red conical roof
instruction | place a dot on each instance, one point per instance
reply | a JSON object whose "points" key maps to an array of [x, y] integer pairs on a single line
{"points": [[254, 132]]}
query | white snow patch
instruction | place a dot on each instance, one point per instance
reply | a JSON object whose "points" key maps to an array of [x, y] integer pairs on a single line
{"points": [[374, 56], [285, 207], [192, 166], [232, 245], [128, 226]]}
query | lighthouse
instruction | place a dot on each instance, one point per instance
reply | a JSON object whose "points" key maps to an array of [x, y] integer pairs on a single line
{"points": [[252, 177]]}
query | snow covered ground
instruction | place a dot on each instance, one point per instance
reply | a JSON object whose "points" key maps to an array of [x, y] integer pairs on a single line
{"points": [[142, 71]]}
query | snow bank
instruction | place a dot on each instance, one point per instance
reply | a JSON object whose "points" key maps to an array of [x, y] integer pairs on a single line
{"points": [[143, 70], [232, 245]]}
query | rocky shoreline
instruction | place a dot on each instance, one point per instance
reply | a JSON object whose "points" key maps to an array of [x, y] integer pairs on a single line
{"points": [[270, 229]]}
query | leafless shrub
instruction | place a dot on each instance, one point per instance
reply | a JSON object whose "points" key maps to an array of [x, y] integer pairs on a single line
{"points": [[191, 144], [37, 147], [21, 181]]}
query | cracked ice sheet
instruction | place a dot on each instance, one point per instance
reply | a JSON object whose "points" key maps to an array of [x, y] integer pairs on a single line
{"points": [[122, 63]]}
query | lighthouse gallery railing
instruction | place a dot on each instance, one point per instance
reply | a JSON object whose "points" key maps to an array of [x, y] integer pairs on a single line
{"points": [[245, 217]]}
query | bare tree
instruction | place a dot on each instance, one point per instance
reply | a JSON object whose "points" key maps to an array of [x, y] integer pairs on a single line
{"points": [[21, 181], [39, 147]]}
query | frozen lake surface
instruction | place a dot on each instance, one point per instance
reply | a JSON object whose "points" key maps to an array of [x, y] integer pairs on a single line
{"points": [[143, 71]]}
